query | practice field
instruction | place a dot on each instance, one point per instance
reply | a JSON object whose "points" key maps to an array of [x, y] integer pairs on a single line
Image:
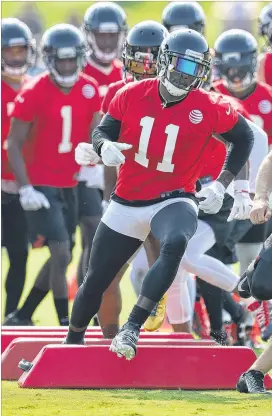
{"points": [[23, 402]]}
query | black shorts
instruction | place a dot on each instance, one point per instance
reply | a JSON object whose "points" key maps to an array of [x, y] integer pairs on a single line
{"points": [[89, 201], [256, 234], [13, 222], [239, 228], [266, 252], [218, 222], [58, 223]]}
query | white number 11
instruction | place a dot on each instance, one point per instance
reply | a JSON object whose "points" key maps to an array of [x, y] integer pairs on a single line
{"points": [[171, 131]]}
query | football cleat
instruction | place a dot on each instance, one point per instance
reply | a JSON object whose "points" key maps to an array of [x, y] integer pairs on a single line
{"points": [[124, 344], [156, 318], [252, 382], [13, 320]]}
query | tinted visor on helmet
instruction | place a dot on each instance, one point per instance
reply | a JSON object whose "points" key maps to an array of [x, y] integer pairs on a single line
{"points": [[186, 73], [141, 65]]}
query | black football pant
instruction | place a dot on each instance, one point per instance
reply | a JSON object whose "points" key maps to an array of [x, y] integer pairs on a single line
{"points": [[15, 239], [173, 226], [260, 276]]}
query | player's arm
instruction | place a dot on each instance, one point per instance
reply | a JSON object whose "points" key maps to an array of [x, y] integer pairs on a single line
{"points": [[241, 140], [17, 136], [261, 211]]}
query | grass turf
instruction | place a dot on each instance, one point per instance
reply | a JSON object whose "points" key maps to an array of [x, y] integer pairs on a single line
{"points": [[25, 402]]}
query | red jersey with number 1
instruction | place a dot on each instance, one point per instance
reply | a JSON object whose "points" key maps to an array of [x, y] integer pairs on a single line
{"points": [[169, 144], [60, 121], [7, 101], [258, 104], [104, 76]]}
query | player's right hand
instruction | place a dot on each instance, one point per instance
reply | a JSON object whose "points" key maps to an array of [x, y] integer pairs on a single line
{"points": [[32, 200], [261, 212], [85, 155], [111, 153], [211, 198]]}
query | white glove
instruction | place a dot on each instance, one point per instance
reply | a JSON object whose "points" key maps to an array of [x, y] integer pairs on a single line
{"points": [[111, 153], [242, 202], [85, 155], [214, 196], [32, 200], [105, 205]]}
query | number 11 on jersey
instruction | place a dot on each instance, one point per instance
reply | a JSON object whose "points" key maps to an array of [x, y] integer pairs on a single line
{"points": [[171, 131]]}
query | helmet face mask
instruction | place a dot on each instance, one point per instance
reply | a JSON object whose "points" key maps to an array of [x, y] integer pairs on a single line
{"points": [[265, 23], [18, 48], [236, 59], [141, 49], [105, 29], [181, 72], [64, 54]]}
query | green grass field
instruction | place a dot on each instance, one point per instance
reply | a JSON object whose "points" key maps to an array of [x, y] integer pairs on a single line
{"points": [[24, 402]]}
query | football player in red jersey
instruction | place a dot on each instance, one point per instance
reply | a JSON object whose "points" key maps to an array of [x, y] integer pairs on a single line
{"points": [[265, 60], [18, 53], [236, 61], [104, 27], [163, 126], [52, 114], [140, 61]]}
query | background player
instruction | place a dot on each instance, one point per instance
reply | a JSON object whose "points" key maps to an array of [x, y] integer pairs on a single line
{"points": [[18, 54], [104, 27], [265, 59], [257, 280], [52, 114]]}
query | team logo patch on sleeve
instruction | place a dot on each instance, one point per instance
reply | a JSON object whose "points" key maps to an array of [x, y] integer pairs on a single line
{"points": [[265, 106], [88, 91], [195, 116]]}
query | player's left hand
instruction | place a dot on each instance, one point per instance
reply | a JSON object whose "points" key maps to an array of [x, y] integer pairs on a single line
{"points": [[261, 212], [242, 202], [214, 196], [85, 155]]}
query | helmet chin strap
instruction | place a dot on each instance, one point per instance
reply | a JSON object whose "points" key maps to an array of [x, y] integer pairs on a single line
{"points": [[13, 71], [244, 84], [65, 81]]}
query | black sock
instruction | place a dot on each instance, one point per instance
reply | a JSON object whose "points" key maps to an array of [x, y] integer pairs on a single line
{"points": [[33, 300], [138, 316], [75, 337], [61, 306]]}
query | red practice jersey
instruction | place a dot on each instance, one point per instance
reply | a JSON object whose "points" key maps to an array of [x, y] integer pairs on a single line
{"points": [[110, 94], [218, 150], [59, 123], [7, 101], [104, 76], [268, 68], [258, 104], [169, 144]]}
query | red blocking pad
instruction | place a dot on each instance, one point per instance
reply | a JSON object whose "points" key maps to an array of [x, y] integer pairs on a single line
{"points": [[162, 367], [28, 348], [8, 336]]}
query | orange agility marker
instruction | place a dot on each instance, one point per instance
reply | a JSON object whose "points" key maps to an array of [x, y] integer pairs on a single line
{"points": [[166, 367]]}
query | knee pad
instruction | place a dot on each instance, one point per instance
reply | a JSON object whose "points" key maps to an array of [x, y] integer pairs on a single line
{"points": [[174, 245]]}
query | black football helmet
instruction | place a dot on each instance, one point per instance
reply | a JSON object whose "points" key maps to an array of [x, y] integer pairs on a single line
{"points": [[183, 62], [15, 33], [105, 28], [236, 58], [63, 51], [141, 49], [177, 15], [265, 23]]}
